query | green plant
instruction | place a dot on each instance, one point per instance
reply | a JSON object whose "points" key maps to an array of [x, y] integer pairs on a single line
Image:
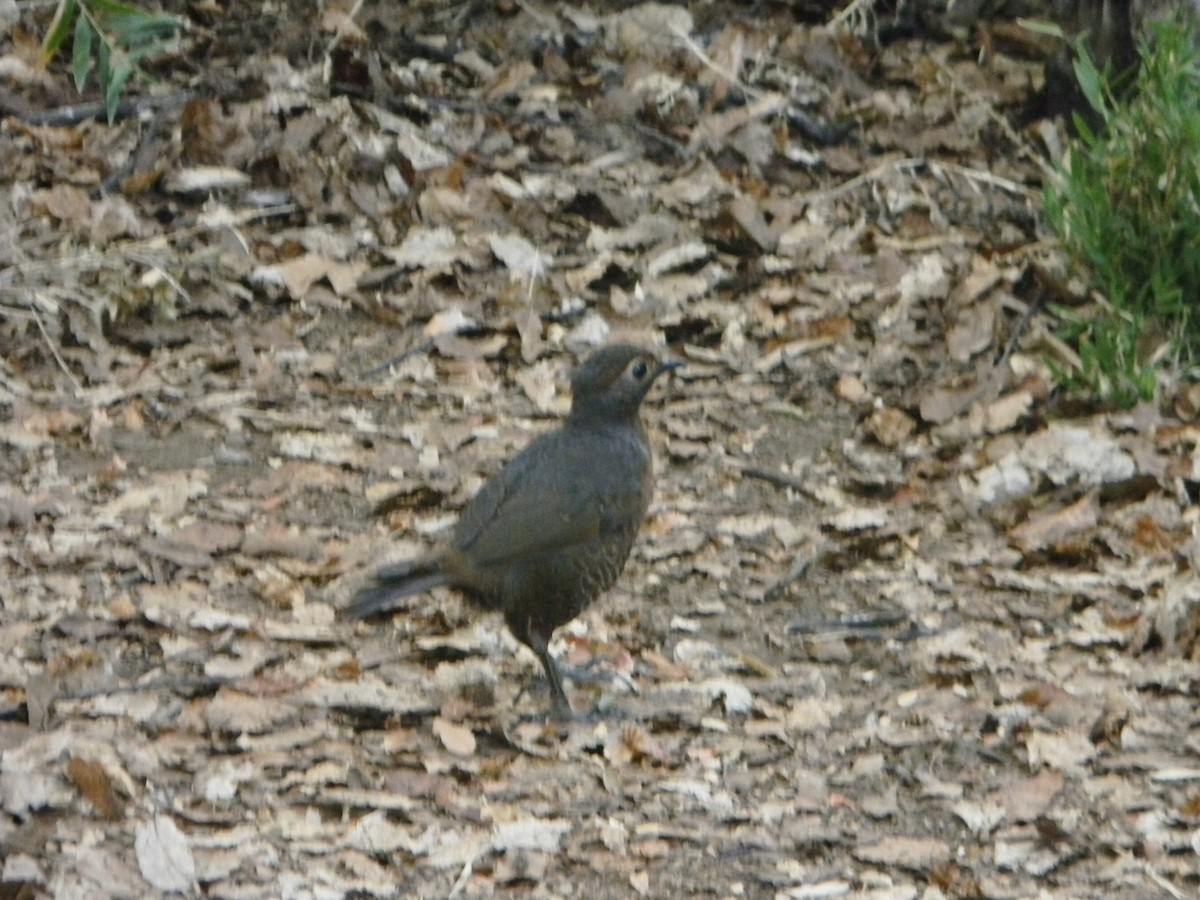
{"points": [[1126, 204], [109, 38]]}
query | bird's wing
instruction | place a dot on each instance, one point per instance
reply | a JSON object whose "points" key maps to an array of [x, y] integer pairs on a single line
{"points": [[546, 499]]}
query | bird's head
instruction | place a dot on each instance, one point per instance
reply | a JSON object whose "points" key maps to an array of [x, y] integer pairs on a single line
{"points": [[613, 381]]}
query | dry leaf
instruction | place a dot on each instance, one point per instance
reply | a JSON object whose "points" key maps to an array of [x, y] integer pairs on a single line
{"points": [[92, 781], [1056, 526], [457, 739], [891, 427], [915, 853], [164, 857]]}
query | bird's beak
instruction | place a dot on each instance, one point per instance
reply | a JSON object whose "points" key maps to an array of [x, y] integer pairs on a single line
{"points": [[669, 365]]}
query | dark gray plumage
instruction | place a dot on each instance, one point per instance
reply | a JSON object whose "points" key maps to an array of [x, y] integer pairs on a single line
{"points": [[552, 529]]}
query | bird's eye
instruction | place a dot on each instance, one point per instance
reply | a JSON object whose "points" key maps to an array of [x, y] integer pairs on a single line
{"points": [[640, 369]]}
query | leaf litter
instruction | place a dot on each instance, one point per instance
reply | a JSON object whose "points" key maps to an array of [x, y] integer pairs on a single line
{"points": [[899, 624]]}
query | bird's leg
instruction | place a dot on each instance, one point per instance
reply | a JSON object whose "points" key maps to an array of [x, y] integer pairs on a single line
{"points": [[539, 645]]}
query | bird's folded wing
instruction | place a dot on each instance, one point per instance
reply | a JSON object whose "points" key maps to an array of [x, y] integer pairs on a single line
{"points": [[545, 500]]}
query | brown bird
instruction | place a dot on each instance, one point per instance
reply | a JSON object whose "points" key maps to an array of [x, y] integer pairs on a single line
{"points": [[552, 529]]}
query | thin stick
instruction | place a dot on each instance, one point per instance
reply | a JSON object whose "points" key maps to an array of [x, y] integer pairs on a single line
{"points": [[704, 58], [398, 358], [62, 363], [779, 479]]}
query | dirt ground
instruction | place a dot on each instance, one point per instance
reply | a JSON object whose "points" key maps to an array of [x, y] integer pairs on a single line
{"points": [[904, 620]]}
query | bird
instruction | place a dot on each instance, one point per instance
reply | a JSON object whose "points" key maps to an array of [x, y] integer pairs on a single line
{"points": [[552, 529]]}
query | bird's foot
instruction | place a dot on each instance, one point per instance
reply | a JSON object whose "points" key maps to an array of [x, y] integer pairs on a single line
{"points": [[591, 673]]}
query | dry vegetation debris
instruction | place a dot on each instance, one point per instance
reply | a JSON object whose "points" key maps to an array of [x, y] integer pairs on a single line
{"points": [[900, 623]]}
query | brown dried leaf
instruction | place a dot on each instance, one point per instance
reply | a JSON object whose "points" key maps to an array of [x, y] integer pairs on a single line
{"points": [[457, 739], [1029, 798], [915, 853], [66, 203], [232, 711], [974, 332], [1001, 415], [276, 539], [208, 536], [640, 744], [1067, 752], [91, 780], [890, 426], [946, 401], [540, 384], [1056, 526]]}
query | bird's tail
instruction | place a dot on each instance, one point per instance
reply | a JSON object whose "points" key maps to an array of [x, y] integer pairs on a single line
{"points": [[391, 585]]}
